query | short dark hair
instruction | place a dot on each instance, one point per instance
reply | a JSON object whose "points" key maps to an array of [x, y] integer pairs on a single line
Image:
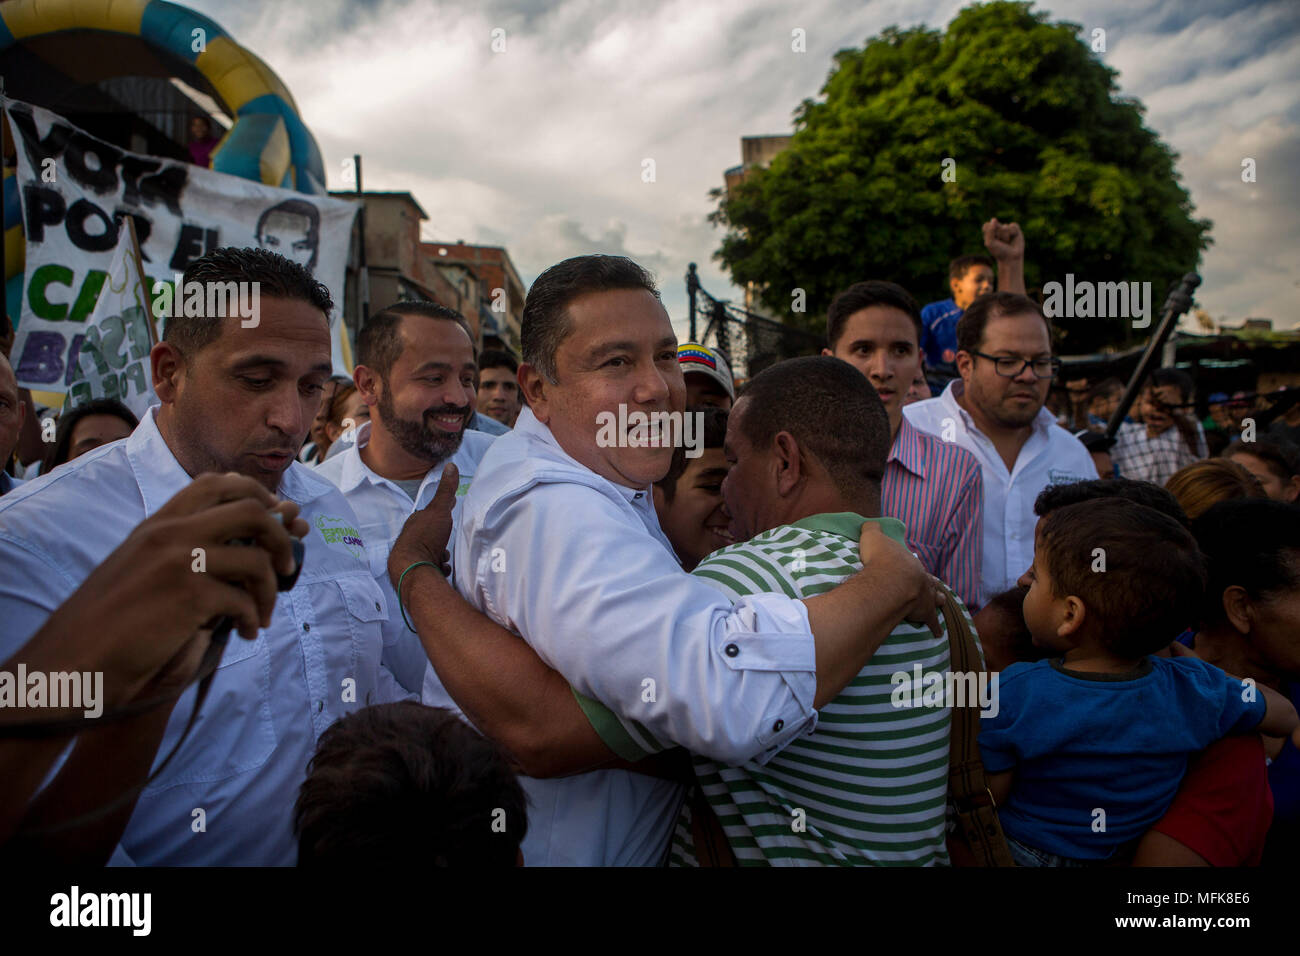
{"points": [[1153, 577], [68, 420], [1281, 458], [1107, 386], [402, 781], [379, 343], [862, 295], [831, 410], [1054, 497], [715, 436], [294, 207], [1175, 377], [277, 278], [958, 268], [1253, 543], [994, 305], [545, 322], [496, 358]]}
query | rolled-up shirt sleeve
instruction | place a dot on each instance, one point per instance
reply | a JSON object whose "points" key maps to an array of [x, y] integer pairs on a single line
{"points": [[607, 605]]}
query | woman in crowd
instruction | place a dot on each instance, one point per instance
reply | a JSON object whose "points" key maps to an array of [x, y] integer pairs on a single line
{"points": [[1203, 484], [88, 426], [1251, 629], [347, 412], [1275, 464]]}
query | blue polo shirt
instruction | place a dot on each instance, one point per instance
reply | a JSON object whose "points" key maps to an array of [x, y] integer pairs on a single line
{"points": [[1081, 743], [939, 332]]}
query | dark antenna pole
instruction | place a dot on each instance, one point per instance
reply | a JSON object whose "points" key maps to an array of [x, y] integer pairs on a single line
{"points": [[1179, 301], [692, 286], [363, 274]]}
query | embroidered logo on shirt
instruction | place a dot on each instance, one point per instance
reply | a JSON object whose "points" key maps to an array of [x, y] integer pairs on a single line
{"points": [[1056, 477], [336, 531]]}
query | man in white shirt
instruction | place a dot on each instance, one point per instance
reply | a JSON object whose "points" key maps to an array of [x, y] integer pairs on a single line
{"points": [[559, 542], [415, 370], [995, 411], [239, 398]]}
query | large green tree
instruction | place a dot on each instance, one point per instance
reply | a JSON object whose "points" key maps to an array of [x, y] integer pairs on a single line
{"points": [[1031, 117]]}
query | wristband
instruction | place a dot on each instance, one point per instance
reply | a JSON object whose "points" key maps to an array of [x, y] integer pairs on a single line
{"points": [[400, 605]]}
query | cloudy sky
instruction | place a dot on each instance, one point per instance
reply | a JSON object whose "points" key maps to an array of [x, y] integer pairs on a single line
{"points": [[540, 148]]}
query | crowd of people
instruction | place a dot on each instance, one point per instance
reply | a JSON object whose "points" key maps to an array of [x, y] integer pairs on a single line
{"points": [[432, 610]]}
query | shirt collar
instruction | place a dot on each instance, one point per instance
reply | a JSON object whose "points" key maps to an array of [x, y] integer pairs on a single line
{"points": [[354, 470], [848, 524], [906, 449], [157, 472], [527, 424], [160, 476]]}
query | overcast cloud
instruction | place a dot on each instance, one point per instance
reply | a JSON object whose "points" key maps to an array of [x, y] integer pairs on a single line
{"points": [[541, 148]]}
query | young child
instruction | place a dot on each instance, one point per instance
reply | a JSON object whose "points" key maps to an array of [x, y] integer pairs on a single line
{"points": [[1087, 749], [402, 782]]}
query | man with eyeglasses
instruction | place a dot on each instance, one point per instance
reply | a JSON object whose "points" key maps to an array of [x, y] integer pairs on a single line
{"points": [[995, 411]]}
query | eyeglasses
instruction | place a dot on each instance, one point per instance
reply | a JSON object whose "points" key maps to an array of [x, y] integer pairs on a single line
{"points": [[1013, 366]]}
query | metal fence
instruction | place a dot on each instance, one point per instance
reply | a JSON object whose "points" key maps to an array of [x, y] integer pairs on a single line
{"points": [[750, 342]]}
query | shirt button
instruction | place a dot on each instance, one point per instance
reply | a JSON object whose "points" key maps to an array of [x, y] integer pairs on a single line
{"points": [[377, 607], [320, 705], [776, 727], [306, 627], [731, 650]]}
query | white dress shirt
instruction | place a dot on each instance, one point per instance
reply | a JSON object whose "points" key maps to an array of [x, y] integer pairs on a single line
{"points": [[270, 698], [579, 567], [1051, 456], [382, 507]]}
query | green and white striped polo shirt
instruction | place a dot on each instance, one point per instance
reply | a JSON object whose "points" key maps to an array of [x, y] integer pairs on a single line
{"points": [[869, 785]]}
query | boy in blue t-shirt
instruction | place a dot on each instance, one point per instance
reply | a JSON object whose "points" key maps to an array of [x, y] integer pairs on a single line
{"points": [[969, 278], [1086, 751]]}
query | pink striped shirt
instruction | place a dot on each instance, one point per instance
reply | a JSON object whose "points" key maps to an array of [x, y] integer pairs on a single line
{"points": [[934, 487]]}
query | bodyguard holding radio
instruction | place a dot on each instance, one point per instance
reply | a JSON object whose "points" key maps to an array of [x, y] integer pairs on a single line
{"points": [[234, 399]]}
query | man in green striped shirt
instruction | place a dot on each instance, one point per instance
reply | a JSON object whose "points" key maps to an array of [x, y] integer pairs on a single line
{"points": [[868, 786]]}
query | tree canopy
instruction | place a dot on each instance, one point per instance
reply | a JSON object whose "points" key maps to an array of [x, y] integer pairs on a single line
{"points": [[1031, 117]]}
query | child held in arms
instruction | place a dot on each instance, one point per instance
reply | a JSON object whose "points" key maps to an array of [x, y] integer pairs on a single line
{"points": [[1086, 749]]}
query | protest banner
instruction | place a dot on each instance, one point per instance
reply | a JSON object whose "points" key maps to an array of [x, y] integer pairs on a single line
{"points": [[77, 191], [109, 357]]}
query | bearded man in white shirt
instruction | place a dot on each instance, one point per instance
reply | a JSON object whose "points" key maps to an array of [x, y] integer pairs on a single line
{"points": [[995, 411], [559, 543], [415, 370], [236, 396]]}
